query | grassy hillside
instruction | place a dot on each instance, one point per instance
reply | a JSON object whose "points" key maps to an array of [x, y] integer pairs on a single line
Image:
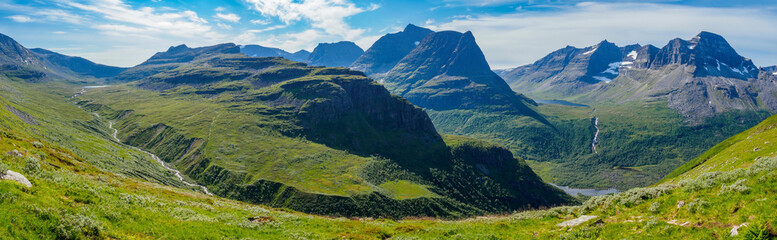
{"points": [[319, 140], [639, 142], [79, 201], [739, 151]]}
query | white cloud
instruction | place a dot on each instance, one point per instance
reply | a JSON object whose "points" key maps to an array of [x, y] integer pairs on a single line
{"points": [[522, 38], [224, 26], [260, 22], [147, 19], [220, 9], [59, 32], [231, 17], [20, 18], [32, 14], [326, 15]]}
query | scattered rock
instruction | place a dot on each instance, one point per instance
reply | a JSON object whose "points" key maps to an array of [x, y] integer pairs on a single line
{"points": [[674, 222], [576, 221], [735, 230], [680, 204], [261, 219], [15, 176], [14, 153]]}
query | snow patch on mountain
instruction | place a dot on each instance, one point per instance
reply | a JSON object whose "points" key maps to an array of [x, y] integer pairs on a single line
{"points": [[633, 54], [591, 51], [603, 79]]}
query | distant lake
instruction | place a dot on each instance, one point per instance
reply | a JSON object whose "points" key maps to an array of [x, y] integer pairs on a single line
{"points": [[585, 191], [560, 102]]}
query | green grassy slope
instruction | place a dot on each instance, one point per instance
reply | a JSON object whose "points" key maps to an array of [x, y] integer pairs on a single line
{"points": [[319, 140], [739, 151], [639, 142]]}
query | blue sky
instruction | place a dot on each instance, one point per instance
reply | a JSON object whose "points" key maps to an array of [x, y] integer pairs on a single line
{"points": [[510, 32]]}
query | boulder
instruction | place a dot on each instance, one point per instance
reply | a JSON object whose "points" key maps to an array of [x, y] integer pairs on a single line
{"points": [[15, 176]]}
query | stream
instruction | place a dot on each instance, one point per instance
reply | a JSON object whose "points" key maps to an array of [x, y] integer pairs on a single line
{"points": [[153, 156], [596, 135]]}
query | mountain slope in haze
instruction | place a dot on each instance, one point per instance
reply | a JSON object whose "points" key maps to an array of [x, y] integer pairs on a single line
{"points": [[385, 53], [78, 65], [261, 51], [319, 140], [20, 63], [339, 54]]}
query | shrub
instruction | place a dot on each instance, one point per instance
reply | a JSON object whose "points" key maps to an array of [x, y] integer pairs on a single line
{"points": [[638, 195], [3, 168], [77, 226], [703, 181], [654, 207], [697, 205], [37, 144], [31, 165], [738, 186]]}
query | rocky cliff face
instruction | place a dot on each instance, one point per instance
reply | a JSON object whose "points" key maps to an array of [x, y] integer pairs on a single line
{"points": [[385, 53], [339, 54]]}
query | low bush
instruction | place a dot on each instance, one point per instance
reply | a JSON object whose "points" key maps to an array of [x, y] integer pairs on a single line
{"points": [[654, 207], [31, 165], [3, 168], [738, 186], [77, 226]]}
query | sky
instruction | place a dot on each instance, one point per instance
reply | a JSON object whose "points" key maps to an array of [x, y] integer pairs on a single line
{"points": [[510, 32]]}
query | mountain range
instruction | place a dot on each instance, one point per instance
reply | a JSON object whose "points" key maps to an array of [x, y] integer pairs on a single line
{"points": [[699, 78]]}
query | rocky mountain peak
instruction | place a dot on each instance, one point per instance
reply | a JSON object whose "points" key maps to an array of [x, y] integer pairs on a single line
{"points": [[710, 54], [385, 53]]}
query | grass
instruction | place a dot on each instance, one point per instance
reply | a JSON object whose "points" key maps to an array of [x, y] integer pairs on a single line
{"points": [[85, 202]]}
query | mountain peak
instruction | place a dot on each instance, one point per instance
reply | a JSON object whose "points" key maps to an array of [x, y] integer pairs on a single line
{"points": [[339, 54], [390, 49], [447, 70], [413, 28]]}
